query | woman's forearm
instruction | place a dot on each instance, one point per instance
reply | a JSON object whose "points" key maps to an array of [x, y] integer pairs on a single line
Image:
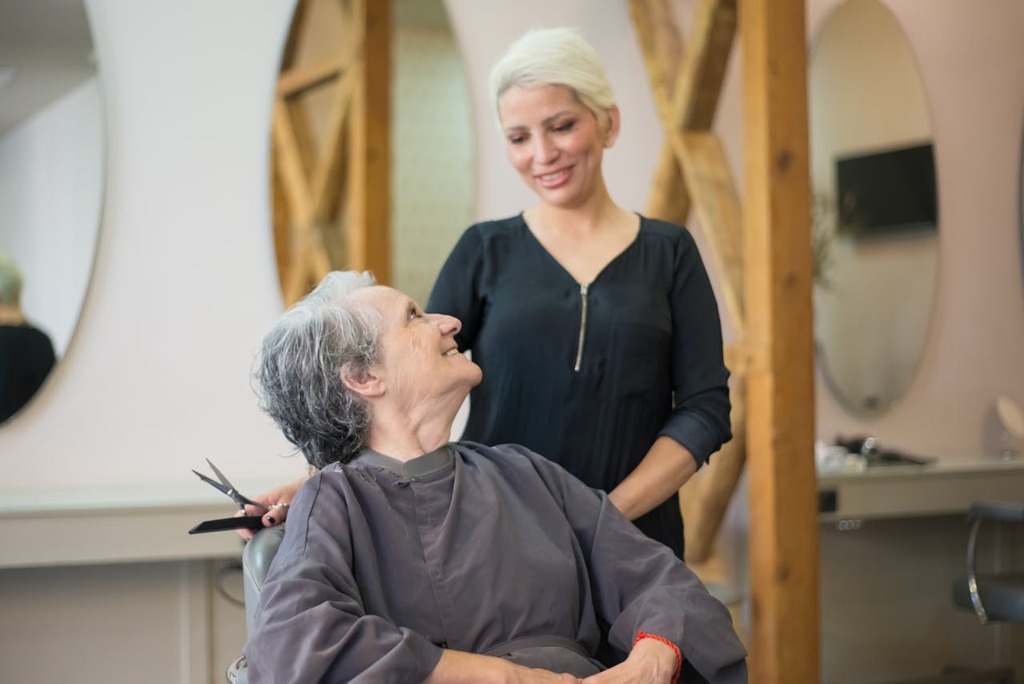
{"points": [[666, 467]]}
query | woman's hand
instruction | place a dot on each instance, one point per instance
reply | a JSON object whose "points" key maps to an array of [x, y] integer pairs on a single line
{"points": [[278, 501], [650, 662]]}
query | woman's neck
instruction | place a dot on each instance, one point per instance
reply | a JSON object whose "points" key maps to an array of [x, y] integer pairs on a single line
{"points": [[596, 216], [11, 315], [405, 434]]}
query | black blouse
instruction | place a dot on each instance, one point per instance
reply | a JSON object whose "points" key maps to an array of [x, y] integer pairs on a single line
{"points": [[586, 374], [26, 357]]}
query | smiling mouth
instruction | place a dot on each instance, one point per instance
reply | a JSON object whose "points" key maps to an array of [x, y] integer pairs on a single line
{"points": [[553, 178], [451, 352]]}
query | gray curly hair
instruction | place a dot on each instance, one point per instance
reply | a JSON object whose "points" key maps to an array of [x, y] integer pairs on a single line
{"points": [[299, 369]]}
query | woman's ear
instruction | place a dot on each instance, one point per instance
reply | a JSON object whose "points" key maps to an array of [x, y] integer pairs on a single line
{"points": [[614, 121], [366, 384]]}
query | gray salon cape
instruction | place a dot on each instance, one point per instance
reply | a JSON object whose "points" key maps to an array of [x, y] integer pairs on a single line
{"points": [[486, 550]]}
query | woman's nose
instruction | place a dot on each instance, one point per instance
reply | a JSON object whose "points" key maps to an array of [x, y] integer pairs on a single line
{"points": [[543, 150], [447, 325]]}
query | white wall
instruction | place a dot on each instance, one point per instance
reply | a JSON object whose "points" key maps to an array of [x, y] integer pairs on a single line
{"points": [[184, 284]]}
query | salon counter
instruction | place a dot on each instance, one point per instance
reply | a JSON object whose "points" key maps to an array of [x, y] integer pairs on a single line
{"points": [[119, 563], [99, 526], [892, 538], [947, 486]]}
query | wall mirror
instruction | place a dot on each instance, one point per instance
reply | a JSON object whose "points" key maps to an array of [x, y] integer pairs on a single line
{"points": [[51, 158], [876, 211], [430, 189]]}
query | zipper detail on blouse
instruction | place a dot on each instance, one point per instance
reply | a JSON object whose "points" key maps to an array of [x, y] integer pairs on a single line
{"points": [[583, 327]]}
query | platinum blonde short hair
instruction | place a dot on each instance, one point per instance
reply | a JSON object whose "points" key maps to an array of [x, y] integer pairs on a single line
{"points": [[299, 369], [555, 56]]}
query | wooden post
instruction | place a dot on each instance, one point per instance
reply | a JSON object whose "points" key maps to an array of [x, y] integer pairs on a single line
{"points": [[780, 407], [369, 234]]}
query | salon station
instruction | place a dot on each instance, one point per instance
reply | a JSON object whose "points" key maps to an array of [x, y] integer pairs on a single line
{"points": [[173, 175]]}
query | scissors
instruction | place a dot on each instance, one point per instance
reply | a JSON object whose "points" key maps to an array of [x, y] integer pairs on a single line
{"points": [[251, 522]]}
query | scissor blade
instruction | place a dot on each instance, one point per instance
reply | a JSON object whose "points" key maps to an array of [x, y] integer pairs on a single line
{"points": [[216, 471], [226, 487], [210, 481]]}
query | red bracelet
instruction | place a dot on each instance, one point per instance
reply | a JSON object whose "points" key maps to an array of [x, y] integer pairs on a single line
{"points": [[679, 656]]}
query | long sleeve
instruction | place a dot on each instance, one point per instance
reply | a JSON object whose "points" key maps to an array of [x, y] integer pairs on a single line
{"points": [[700, 417], [311, 622], [638, 584]]}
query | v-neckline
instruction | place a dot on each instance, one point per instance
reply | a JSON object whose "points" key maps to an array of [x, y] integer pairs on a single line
{"points": [[561, 267]]}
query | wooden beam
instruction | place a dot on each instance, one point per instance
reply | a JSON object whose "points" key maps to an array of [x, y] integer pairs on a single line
{"points": [[291, 165], [780, 406], [661, 48], [718, 209], [297, 80], [369, 215], [291, 45], [695, 98], [686, 97], [328, 177]]}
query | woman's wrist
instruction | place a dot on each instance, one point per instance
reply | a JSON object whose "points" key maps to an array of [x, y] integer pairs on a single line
{"points": [[662, 649], [459, 667]]}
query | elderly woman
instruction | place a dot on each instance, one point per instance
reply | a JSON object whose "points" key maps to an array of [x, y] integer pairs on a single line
{"points": [[408, 558]]}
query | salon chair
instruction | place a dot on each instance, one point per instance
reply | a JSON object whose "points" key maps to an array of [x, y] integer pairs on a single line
{"points": [[256, 557], [993, 595]]}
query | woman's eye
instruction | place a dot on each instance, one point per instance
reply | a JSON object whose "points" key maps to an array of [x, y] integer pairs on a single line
{"points": [[564, 127], [414, 313], [517, 139]]}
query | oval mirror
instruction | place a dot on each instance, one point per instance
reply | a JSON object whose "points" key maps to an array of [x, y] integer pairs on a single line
{"points": [[51, 180], [876, 211], [430, 140]]}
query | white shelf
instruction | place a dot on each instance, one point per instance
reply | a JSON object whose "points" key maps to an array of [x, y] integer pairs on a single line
{"points": [[137, 524]]}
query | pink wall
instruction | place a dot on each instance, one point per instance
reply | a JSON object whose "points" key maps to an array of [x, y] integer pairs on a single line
{"points": [[971, 60]]}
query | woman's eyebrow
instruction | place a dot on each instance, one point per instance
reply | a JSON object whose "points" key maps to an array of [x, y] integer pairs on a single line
{"points": [[547, 121], [554, 117]]}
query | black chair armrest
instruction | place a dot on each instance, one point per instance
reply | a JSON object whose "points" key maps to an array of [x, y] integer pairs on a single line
{"points": [[256, 558], [999, 511]]}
